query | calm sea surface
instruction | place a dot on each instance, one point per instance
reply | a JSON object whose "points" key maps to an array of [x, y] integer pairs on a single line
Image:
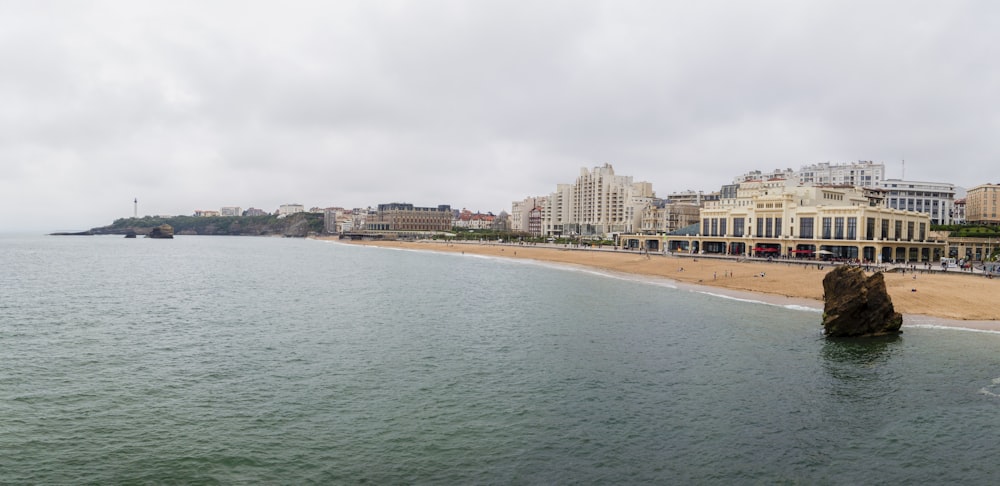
{"points": [[265, 360]]}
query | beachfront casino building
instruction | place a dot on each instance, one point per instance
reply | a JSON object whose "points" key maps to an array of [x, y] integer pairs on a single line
{"points": [[785, 219]]}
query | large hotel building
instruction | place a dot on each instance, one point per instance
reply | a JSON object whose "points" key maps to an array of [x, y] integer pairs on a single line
{"points": [[597, 204], [403, 218]]}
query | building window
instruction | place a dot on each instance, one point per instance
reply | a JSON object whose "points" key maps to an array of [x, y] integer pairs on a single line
{"points": [[738, 226], [760, 227], [885, 229], [722, 227], [805, 227], [899, 229], [870, 229], [909, 231], [827, 227], [704, 227], [838, 228], [852, 228], [769, 223], [715, 227], [777, 226]]}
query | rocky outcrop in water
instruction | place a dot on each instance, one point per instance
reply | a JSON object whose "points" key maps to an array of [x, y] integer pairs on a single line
{"points": [[856, 305], [163, 231]]}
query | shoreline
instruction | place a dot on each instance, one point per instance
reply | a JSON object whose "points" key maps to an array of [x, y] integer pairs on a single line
{"points": [[931, 298]]}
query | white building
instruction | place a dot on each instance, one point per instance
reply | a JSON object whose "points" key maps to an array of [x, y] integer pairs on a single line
{"points": [[231, 211], [520, 212], [958, 216], [599, 203], [699, 198], [756, 175], [863, 173], [934, 198], [286, 209]]}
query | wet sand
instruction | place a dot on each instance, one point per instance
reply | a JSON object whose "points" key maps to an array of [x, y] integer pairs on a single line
{"points": [[953, 298]]}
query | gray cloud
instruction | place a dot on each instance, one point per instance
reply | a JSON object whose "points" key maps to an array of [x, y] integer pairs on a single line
{"points": [[191, 105]]}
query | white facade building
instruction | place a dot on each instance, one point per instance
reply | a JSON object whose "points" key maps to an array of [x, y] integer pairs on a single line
{"points": [[934, 198], [520, 212], [863, 173], [286, 209], [756, 175], [599, 203]]}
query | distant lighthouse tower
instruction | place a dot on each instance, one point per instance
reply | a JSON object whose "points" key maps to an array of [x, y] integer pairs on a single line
{"points": [[135, 208]]}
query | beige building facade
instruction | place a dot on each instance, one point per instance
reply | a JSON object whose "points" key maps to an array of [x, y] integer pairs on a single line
{"points": [[777, 219], [664, 217], [406, 218], [597, 204], [520, 213], [982, 204], [975, 249]]}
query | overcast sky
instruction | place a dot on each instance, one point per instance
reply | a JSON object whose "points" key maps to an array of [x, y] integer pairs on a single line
{"points": [[203, 104]]}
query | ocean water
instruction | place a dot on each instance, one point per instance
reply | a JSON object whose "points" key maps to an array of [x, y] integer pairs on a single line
{"points": [[236, 360]]}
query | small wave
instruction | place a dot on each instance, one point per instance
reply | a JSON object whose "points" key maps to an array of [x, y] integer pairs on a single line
{"points": [[950, 328], [803, 308], [730, 297], [986, 389], [794, 307]]}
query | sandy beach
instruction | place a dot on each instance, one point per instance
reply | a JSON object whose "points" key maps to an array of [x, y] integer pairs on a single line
{"points": [[965, 300]]}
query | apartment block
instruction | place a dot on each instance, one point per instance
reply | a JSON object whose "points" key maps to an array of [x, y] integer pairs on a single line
{"points": [[520, 212], [598, 204], [664, 217], [937, 199], [863, 173], [982, 204]]}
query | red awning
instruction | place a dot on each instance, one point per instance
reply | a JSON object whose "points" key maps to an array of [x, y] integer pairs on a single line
{"points": [[766, 250], [802, 251]]}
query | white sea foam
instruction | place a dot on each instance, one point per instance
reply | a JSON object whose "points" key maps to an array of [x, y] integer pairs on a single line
{"points": [[794, 307], [730, 297], [986, 389], [949, 328], [804, 308]]}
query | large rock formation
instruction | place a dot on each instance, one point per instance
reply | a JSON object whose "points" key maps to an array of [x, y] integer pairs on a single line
{"points": [[162, 231], [856, 305]]}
